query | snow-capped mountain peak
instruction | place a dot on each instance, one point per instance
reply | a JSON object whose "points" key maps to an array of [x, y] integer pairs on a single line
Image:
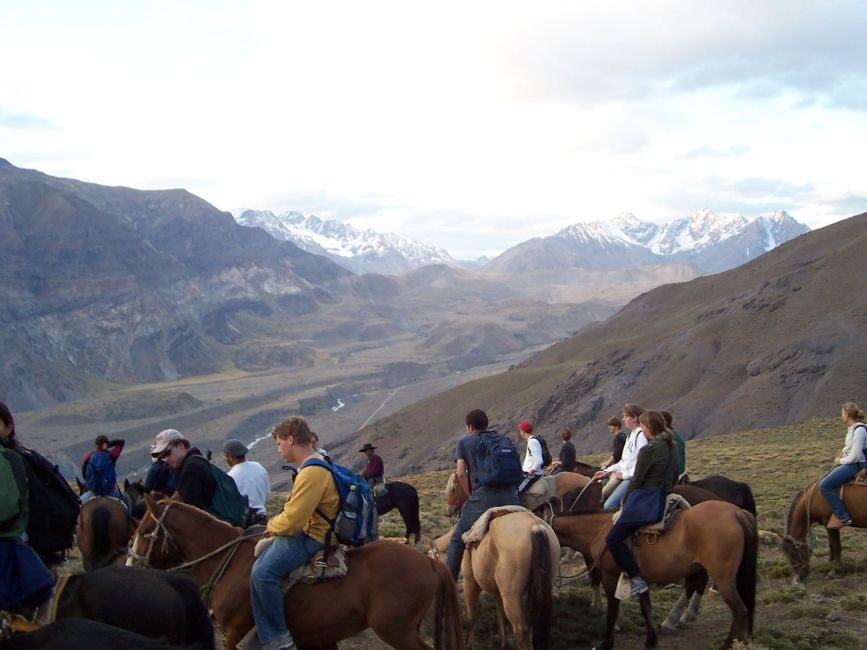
{"points": [[361, 251]]}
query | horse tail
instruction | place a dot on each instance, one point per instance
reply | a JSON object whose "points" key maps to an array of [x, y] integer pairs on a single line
{"points": [[448, 629], [746, 577], [413, 524], [539, 599], [749, 500], [200, 630], [100, 523]]}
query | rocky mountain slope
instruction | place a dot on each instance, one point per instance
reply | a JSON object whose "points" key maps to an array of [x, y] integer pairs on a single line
{"points": [[778, 340], [710, 242], [360, 251]]}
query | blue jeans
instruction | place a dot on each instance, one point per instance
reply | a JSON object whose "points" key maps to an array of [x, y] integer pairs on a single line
{"points": [[480, 500], [614, 499], [281, 558], [838, 476], [615, 540]]}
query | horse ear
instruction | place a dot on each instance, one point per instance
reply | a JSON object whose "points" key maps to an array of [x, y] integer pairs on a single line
{"points": [[125, 485], [151, 505]]}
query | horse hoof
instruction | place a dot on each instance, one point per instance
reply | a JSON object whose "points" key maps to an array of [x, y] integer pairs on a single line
{"points": [[667, 629]]}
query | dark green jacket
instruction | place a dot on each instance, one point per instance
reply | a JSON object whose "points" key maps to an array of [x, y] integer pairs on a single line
{"points": [[14, 506], [656, 467], [681, 451]]}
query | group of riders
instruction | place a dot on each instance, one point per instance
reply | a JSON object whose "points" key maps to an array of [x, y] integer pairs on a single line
{"points": [[647, 458]]}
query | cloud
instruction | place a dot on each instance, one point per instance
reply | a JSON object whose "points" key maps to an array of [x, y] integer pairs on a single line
{"points": [[709, 151], [11, 118]]}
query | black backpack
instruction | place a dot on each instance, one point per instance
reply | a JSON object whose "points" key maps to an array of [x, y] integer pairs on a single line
{"points": [[496, 460], [54, 506], [546, 455]]}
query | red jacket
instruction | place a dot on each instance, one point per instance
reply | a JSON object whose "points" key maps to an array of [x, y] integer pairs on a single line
{"points": [[374, 468]]}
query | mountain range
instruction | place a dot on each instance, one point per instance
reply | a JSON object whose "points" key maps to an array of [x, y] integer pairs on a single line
{"points": [[710, 242], [360, 251], [775, 341]]}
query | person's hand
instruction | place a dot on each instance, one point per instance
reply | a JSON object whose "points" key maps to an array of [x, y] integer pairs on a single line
{"points": [[598, 476], [837, 460], [618, 474]]}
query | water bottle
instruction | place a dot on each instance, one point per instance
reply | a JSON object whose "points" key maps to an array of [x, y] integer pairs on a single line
{"points": [[346, 523], [351, 503]]}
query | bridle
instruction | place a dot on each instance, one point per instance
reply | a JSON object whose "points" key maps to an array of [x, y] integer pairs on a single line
{"points": [[152, 538]]}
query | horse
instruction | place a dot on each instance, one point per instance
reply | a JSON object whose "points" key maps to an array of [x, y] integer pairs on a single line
{"points": [[155, 604], [135, 491], [389, 586], [587, 500], [585, 469], [809, 506], [727, 489], [516, 560], [718, 536], [404, 497], [77, 633], [103, 532], [564, 482]]}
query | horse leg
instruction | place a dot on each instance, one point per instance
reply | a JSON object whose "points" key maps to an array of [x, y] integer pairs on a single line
{"points": [[670, 623], [652, 637], [514, 609], [501, 621], [471, 597], [739, 627], [696, 584], [612, 612], [836, 553]]}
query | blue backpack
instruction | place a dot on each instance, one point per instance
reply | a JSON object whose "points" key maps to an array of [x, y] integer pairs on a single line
{"points": [[100, 477], [356, 522], [497, 462]]}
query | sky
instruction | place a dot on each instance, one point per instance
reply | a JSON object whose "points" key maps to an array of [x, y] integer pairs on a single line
{"points": [[468, 125]]}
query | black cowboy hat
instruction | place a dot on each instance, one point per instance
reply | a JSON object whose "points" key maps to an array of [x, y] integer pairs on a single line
{"points": [[367, 447]]}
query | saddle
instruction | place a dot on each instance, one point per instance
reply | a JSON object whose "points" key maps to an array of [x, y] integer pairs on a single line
{"points": [[380, 489], [540, 492], [674, 504], [475, 534], [15, 622]]}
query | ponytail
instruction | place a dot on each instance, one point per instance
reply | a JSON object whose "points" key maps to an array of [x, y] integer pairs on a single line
{"points": [[852, 410]]}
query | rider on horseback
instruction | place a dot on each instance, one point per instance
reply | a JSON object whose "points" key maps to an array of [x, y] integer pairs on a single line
{"points": [[625, 468], [299, 531], [24, 580], [645, 499], [850, 461]]}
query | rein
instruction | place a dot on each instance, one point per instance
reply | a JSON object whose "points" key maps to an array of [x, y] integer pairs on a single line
{"points": [[578, 498]]}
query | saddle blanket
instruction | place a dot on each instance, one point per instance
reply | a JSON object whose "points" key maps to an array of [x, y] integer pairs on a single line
{"points": [[475, 534], [674, 503]]}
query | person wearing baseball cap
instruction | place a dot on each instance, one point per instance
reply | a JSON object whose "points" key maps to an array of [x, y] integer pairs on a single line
{"points": [[532, 459], [250, 477], [196, 484]]}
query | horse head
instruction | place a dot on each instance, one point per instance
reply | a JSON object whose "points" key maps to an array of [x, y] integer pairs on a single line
{"points": [[798, 554], [153, 545]]}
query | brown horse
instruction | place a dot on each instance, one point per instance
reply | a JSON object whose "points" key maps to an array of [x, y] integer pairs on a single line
{"points": [[715, 535], [103, 532], [389, 587], [564, 482], [516, 560], [808, 507]]}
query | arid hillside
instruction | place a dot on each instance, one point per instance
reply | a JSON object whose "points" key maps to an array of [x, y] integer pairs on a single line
{"points": [[775, 341]]}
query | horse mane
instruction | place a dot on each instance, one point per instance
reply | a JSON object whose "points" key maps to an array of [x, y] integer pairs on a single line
{"points": [[792, 506], [202, 515]]}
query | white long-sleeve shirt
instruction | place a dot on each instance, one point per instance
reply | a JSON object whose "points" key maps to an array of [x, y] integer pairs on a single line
{"points": [[634, 442], [853, 448], [533, 457]]}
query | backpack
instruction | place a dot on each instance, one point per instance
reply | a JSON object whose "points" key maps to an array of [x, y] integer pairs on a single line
{"points": [[53, 505], [13, 502], [546, 455], [100, 476], [356, 522], [228, 503], [496, 460]]}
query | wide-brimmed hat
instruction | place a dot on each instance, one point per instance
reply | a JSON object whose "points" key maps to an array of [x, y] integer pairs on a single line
{"points": [[235, 448], [164, 439], [367, 447]]}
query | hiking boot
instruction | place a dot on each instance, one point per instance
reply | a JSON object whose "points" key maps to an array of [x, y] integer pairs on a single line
{"points": [[639, 586], [835, 523]]}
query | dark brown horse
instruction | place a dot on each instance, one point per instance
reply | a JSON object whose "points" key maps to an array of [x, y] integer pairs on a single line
{"points": [[103, 532], [389, 588], [715, 535], [726, 489], [78, 633], [809, 507], [404, 497], [155, 604]]}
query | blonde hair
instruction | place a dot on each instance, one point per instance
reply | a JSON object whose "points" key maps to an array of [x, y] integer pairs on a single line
{"points": [[294, 426], [854, 412]]}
